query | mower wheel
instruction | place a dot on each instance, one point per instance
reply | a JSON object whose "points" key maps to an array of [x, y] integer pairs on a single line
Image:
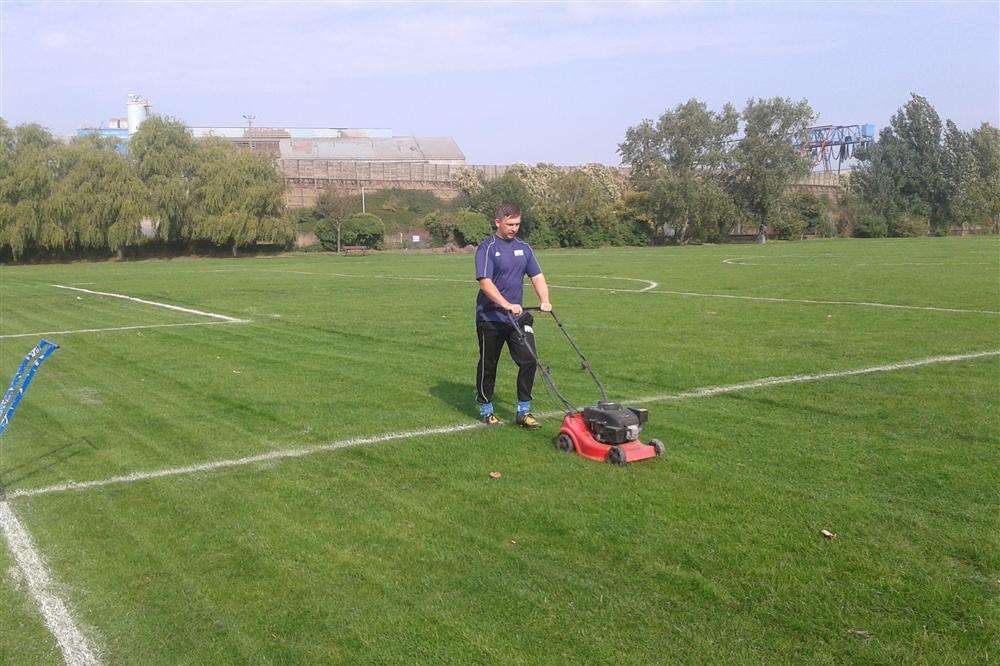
{"points": [[615, 457], [658, 446], [564, 443]]}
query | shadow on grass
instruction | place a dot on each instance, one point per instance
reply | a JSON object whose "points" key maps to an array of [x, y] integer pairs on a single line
{"points": [[42, 462], [462, 398]]}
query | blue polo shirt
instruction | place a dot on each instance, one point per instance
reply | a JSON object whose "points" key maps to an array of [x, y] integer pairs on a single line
{"points": [[506, 262]]}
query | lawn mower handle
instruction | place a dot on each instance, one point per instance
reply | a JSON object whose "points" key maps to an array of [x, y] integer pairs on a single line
{"points": [[584, 364]]}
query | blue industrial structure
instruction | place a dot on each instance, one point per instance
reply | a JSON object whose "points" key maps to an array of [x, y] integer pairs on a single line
{"points": [[119, 134], [834, 143]]}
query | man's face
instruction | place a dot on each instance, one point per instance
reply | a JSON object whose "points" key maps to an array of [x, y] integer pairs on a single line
{"points": [[508, 227]]}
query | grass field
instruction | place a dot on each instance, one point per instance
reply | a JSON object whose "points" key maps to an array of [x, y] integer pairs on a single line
{"points": [[225, 511]]}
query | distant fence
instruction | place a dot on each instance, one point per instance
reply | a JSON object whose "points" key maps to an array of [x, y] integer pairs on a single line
{"points": [[306, 178], [821, 183]]}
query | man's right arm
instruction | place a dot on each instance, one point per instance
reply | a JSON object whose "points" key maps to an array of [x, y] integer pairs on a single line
{"points": [[494, 295]]}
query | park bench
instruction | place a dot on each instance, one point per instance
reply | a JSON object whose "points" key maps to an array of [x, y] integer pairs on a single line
{"points": [[354, 249]]}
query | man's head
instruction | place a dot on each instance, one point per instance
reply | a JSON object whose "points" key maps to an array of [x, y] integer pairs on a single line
{"points": [[508, 220]]}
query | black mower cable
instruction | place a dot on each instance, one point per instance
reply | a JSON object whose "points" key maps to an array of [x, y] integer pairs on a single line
{"points": [[584, 364]]}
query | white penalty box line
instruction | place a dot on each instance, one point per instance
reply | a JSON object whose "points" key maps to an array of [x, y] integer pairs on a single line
{"points": [[301, 452], [157, 304], [219, 318]]}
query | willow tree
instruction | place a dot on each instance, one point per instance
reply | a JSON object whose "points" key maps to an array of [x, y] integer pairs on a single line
{"points": [[28, 163], [237, 198], [97, 200], [162, 154]]}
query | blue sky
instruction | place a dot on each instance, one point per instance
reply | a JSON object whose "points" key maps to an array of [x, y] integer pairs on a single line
{"points": [[528, 82]]}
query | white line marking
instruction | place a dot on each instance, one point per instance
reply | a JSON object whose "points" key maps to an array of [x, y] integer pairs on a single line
{"points": [[649, 283], [652, 290], [246, 460], [742, 261], [376, 439], [773, 299], [154, 303], [75, 647], [122, 328], [797, 379]]}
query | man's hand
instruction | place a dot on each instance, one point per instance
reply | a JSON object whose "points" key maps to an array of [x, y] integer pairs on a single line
{"points": [[545, 307], [515, 309]]}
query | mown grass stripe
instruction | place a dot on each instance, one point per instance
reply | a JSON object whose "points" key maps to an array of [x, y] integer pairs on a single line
{"points": [[300, 452]]}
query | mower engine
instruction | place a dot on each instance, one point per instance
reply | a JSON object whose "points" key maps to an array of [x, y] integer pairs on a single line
{"points": [[611, 423]]}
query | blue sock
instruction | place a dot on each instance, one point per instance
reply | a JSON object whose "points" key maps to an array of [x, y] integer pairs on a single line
{"points": [[523, 406], [486, 409]]}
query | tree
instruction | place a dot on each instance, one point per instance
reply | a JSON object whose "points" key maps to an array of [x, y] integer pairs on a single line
{"points": [[468, 181], [509, 188], [690, 206], [579, 212], [685, 139], [633, 212], [28, 163], [333, 209], [537, 180], [438, 227], [765, 161], [678, 162], [363, 229], [163, 154], [97, 202], [237, 198], [984, 191], [816, 212], [611, 180], [906, 170], [471, 227]]}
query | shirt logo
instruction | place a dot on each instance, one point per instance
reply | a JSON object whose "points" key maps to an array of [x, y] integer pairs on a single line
{"points": [[497, 254], [518, 253]]}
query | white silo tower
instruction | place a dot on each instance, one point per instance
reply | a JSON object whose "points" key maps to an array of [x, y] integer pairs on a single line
{"points": [[138, 111]]}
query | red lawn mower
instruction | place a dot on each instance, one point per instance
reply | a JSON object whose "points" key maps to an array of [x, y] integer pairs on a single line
{"points": [[607, 431]]}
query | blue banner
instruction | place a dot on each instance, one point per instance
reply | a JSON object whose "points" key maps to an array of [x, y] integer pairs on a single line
{"points": [[22, 380]]}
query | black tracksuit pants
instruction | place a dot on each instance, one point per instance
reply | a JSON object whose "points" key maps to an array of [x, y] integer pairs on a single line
{"points": [[492, 337]]}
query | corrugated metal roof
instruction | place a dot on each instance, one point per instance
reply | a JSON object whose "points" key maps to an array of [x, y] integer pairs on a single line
{"points": [[395, 149], [295, 132]]}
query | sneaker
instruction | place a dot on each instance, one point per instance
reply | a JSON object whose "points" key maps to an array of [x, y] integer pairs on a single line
{"points": [[491, 419], [527, 420]]}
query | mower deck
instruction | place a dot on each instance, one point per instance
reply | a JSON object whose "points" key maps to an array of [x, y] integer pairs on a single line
{"points": [[575, 436]]}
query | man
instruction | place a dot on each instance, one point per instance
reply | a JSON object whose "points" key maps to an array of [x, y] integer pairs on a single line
{"points": [[502, 261]]}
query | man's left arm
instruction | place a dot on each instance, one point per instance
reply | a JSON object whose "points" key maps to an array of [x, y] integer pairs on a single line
{"points": [[542, 289]]}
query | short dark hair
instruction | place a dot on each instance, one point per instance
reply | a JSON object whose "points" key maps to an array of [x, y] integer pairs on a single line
{"points": [[507, 210]]}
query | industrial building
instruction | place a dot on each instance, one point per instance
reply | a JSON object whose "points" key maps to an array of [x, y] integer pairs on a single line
{"points": [[312, 158]]}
